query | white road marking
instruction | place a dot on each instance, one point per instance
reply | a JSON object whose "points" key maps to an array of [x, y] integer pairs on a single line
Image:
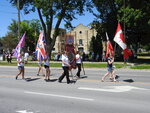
{"points": [[61, 96], [115, 89], [23, 111]]}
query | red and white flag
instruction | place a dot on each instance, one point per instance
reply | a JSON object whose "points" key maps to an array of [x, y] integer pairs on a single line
{"points": [[119, 39], [110, 49], [40, 48]]}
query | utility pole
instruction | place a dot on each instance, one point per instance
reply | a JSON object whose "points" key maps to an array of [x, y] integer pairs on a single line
{"points": [[18, 7]]}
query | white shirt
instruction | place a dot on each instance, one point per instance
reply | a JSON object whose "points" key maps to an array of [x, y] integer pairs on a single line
{"points": [[46, 62], [20, 64], [78, 59], [26, 55], [40, 62], [65, 59]]}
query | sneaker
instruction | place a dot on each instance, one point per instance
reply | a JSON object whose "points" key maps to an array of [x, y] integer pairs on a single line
{"points": [[102, 80], [114, 80], [59, 81], [16, 77]]}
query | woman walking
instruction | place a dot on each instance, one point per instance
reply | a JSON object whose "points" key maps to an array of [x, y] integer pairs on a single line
{"points": [[65, 66], [78, 64]]}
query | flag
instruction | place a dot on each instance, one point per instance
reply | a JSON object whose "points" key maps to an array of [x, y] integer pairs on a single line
{"points": [[110, 49], [19, 46], [127, 53], [40, 48], [69, 47], [119, 39]]}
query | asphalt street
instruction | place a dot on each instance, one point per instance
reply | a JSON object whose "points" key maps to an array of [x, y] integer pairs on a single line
{"points": [[85, 95]]}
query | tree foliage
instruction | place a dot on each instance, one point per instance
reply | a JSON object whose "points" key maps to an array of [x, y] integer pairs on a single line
{"points": [[32, 29], [133, 15], [96, 46], [54, 11]]}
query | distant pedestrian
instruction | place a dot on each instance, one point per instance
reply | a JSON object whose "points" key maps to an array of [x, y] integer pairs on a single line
{"points": [[78, 63], [9, 57], [65, 66], [20, 66], [40, 69], [58, 56], [110, 69], [103, 57], [47, 67], [26, 56]]}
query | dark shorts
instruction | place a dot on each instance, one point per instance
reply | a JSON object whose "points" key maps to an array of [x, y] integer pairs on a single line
{"points": [[110, 69], [20, 67], [46, 66]]}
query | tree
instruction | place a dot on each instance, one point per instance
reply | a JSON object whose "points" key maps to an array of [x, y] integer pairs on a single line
{"points": [[9, 42], [32, 29], [130, 15], [96, 46], [54, 10]]}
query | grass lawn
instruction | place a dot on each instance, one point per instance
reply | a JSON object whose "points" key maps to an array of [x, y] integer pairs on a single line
{"points": [[59, 64]]}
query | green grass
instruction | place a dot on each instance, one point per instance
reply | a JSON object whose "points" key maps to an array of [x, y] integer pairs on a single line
{"points": [[86, 65], [59, 64], [140, 67]]}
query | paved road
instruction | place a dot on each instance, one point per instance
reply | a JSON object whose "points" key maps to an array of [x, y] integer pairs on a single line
{"points": [[87, 95]]}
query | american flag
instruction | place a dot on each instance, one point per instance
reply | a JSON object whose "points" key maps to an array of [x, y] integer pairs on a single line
{"points": [[20, 45], [40, 48]]}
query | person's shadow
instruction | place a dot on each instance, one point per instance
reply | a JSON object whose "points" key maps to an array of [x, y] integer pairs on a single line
{"points": [[51, 80], [129, 80], [31, 79]]}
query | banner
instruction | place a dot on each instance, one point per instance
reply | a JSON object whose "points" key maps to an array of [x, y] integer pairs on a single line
{"points": [[69, 47]]}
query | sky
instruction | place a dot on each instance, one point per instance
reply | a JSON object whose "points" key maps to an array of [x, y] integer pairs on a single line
{"points": [[8, 12]]}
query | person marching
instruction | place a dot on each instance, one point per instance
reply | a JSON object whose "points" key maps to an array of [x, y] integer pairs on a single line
{"points": [[20, 66], [65, 66], [110, 69], [46, 65], [40, 69], [78, 63]]}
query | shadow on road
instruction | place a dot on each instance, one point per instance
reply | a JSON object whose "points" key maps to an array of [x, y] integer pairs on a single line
{"points": [[82, 77], [31, 79], [129, 80], [51, 80]]}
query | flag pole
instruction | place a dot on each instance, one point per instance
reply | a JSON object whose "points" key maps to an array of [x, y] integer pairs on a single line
{"points": [[114, 51], [82, 67]]}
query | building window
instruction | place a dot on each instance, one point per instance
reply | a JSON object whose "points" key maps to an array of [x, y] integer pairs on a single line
{"points": [[63, 34], [81, 49], [80, 42], [80, 32]]}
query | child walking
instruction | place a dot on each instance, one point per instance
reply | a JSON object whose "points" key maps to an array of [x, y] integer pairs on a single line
{"points": [[46, 65], [110, 69], [20, 66]]}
